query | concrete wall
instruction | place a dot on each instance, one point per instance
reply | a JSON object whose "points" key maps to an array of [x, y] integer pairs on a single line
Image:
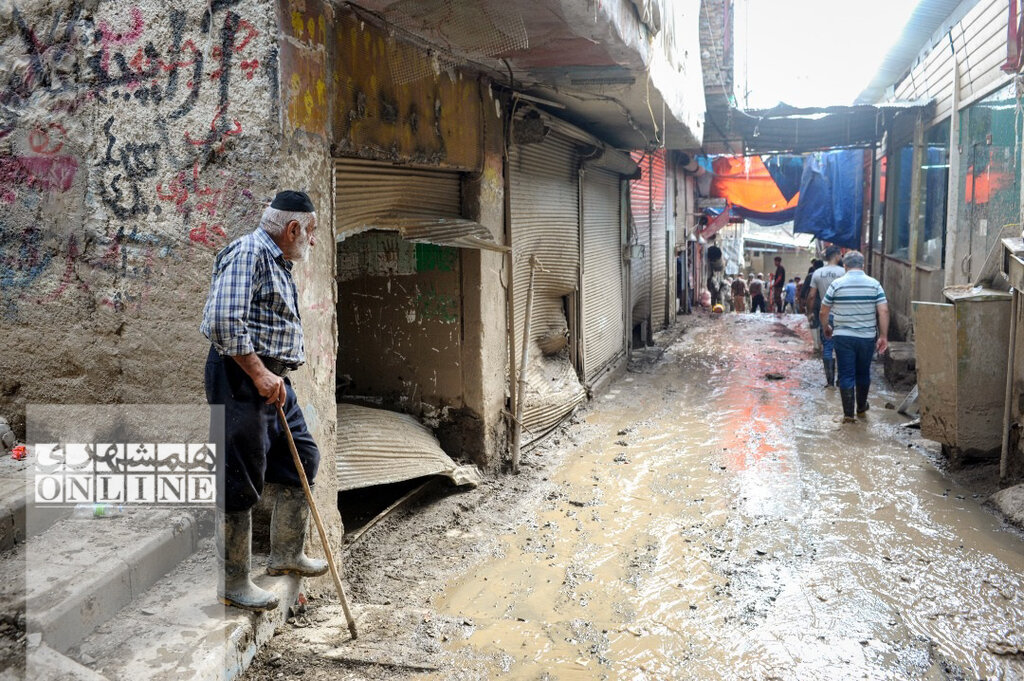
{"points": [[136, 140]]}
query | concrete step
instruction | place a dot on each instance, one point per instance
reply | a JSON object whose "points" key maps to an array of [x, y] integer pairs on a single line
{"points": [[20, 517], [79, 573], [179, 631]]}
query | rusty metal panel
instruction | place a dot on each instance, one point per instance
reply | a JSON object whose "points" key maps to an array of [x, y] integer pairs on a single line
{"points": [[366, 191], [640, 239], [603, 307], [935, 348], [659, 241], [545, 222], [379, 447]]}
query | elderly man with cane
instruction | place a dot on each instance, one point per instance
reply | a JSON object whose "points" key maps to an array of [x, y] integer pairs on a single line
{"points": [[252, 321], [860, 314]]}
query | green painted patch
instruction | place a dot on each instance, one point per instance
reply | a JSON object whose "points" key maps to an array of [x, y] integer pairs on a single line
{"points": [[431, 258]]}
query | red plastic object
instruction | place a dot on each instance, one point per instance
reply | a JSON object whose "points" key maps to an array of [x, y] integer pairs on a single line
{"points": [[19, 452]]}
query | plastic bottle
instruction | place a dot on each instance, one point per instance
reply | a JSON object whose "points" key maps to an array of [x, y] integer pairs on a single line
{"points": [[85, 511]]}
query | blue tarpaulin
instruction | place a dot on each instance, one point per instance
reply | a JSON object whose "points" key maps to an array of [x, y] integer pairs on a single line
{"points": [[831, 203], [787, 172]]}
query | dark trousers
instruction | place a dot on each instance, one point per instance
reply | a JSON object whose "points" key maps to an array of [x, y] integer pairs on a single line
{"points": [[757, 302], [853, 360], [255, 446]]}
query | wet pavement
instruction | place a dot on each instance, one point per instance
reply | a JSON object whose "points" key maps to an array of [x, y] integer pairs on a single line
{"points": [[715, 524]]}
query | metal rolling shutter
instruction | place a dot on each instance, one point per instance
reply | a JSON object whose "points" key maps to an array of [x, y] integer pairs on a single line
{"points": [[602, 302], [659, 274], [545, 222], [368, 191], [640, 267]]}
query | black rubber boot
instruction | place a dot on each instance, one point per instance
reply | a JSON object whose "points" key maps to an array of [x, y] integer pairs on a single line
{"points": [[830, 372], [288, 528], [234, 544], [862, 398], [848, 397]]}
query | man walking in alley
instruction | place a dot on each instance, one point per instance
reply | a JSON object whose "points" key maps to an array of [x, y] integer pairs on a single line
{"points": [[790, 301], [855, 312], [778, 281], [820, 281], [252, 321], [739, 294], [757, 294]]}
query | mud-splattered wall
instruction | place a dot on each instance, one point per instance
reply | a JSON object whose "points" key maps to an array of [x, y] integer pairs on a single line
{"points": [[137, 139], [400, 317], [395, 102]]}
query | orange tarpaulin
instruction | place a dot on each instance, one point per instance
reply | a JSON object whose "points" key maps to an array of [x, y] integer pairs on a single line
{"points": [[745, 181]]}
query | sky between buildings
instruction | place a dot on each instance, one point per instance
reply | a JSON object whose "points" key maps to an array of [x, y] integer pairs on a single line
{"points": [[812, 52]]}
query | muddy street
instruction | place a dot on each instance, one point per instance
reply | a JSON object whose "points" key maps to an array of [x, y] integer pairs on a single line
{"points": [[697, 521]]}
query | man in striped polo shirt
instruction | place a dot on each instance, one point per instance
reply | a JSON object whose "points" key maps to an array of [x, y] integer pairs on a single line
{"points": [[860, 314]]}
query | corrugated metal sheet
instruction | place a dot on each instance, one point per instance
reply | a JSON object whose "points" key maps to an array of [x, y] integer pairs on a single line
{"points": [[929, 20], [379, 447], [659, 241], [650, 272], [545, 222], [640, 266], [980, 41], [423, 204], [603, 307], [789, 129]]}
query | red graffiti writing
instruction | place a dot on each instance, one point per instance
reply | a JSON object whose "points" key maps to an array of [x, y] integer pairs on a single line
{"points": [[109, 37], [36, 172], [212, 137], [211, 235], [249, 67], [42, 141]]}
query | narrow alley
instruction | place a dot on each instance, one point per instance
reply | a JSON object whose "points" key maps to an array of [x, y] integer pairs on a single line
{"points": [[698, 520]]}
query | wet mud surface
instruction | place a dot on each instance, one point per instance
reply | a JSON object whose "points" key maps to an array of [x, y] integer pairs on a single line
{"points": [[699, 520]]}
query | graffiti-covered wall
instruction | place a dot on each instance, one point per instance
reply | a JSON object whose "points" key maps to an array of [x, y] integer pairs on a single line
{"points": [[136, 140]]}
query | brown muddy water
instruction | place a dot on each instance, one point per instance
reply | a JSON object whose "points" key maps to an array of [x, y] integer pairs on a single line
{"points": [[714, 524]]}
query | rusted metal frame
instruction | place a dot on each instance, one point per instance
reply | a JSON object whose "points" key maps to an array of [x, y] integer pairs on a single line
{"points": [[1004, 457], [953, 185], [650, 250], [510, 309], [869, 250], [578, 353], [916, 209], [517, 427]]}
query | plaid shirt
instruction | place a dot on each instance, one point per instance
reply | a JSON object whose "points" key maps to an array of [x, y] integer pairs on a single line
{"points": [[253, 304]]}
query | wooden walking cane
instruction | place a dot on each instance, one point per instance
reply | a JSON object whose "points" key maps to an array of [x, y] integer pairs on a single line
{"points": [[319, 524]]}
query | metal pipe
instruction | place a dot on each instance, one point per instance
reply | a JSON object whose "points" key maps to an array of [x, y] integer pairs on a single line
{"points": [[517, 428], [1004, 459]]}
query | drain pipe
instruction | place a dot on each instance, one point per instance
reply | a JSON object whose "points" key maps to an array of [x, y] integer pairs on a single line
{"points": [[517, 428], [1004, 459]]}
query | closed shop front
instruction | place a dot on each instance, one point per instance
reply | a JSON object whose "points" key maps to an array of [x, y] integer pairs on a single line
{"points": [[544, 204], [603, 304], [400, 254]]}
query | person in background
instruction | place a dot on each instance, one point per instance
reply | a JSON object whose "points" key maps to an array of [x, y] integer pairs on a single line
{"points": [[757, 294], [855, 312], [790, 297], [820, 282], [739, 295], [778, 282], [810, 302]]}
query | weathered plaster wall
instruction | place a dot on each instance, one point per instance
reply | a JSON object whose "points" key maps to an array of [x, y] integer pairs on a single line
{"points": [[136, 140], [485, 350], [393, 102]]}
